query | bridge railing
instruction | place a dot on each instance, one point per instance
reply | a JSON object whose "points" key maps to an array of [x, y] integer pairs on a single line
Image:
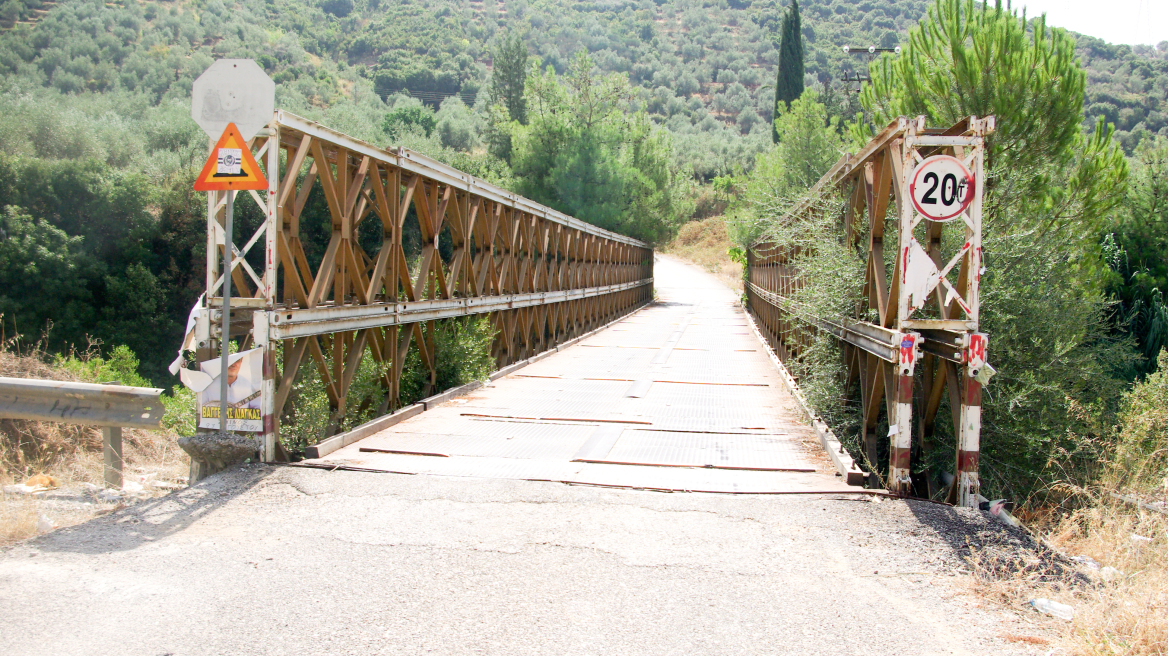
{"points": [[916, 349], [541, 276]]}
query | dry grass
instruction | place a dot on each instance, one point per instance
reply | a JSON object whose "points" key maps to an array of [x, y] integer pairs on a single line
{"points": [[1120, 612], [18, 518], [68, 452], [1129, 613], [705, 242], [1121, 598]]}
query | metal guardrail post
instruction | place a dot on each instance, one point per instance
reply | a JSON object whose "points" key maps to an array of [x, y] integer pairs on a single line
{"points": [[111, 452], [111, 447]]}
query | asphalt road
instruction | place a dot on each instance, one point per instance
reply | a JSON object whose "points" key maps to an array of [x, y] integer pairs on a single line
{"points": [[268, 560], [284, 560]]}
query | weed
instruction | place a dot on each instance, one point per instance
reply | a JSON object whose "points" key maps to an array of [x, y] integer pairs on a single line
{"points": [[707, 243]]}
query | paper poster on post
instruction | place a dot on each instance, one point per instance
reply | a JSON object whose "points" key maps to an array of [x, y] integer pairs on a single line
{"points": [[244, 379]]}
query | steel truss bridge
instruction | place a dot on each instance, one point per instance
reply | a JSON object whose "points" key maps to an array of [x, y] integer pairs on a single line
{"points": [[545, 279], [541, 276]]}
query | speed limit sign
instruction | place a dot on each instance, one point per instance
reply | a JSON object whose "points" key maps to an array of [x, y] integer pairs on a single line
{"points": [[941, 188]]}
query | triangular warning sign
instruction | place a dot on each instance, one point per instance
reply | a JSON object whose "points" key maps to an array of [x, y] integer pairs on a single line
{"points": [[230, 166]]}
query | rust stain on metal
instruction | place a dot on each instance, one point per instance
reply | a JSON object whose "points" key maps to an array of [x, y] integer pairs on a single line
{"points": [[574, 419], [366, 449], [541, 278]]}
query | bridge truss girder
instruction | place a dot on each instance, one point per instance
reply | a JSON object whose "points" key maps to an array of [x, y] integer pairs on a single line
{"points": [[542, 277], [909, 355]]}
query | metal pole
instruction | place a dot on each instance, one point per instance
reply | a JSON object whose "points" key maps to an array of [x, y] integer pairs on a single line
{"points": [[112, 455], [111, 451], [225, 337], [260, 320]]}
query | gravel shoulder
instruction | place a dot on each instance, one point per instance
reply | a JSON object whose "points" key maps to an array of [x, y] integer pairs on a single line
{"points": [[281, 560]]}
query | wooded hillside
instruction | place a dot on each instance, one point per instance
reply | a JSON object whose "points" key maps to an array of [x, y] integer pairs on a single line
{"points": [[96, 148], [701, 68]]}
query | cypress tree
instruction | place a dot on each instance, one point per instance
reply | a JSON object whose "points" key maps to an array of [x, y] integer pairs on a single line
{"points": [[789, 80], [509, 75]]}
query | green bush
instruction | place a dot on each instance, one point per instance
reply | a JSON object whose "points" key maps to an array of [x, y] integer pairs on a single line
{"points": [[462, 351], [1141, 456], [408, 115], [455, 125], [1061, 370], [121, 366]]}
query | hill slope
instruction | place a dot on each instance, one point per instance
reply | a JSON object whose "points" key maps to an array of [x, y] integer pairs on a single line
{"points": [[703, 68], [96, 147]]}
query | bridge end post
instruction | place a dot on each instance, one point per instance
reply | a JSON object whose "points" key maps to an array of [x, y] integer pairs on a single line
{"points": [[969, 437], [900, 430]]}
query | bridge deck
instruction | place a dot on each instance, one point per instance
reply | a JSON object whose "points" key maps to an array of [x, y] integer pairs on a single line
{"points": [[678, 396]]}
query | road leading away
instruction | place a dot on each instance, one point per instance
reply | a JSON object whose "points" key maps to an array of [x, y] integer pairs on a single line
{"points": [[680, 395], [285, 560]]}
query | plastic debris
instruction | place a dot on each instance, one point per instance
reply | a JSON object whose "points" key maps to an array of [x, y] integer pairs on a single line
{"points": [[1086, 561], [997, 508], [1139, 538], [984, 374], [1053, 608], [1109, 573], [44, 524]]}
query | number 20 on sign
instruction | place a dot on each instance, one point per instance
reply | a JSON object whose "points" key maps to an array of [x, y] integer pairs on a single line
{"points": [[941, 188]]}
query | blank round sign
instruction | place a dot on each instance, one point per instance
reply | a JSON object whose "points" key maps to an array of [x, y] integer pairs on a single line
{"points": [[941, 188]]}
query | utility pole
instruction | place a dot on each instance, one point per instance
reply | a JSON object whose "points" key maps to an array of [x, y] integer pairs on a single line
{"points": [[861, 77], [871, 52]]}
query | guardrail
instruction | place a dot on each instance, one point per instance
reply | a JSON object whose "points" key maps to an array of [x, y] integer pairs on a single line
{"points": [[110, 406]]}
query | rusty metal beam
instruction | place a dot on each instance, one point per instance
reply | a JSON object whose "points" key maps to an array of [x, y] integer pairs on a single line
{"points": [[541, 276], [876, 183]]}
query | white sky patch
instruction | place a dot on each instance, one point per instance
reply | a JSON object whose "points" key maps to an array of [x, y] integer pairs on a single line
{"points": [[1115, 21]]}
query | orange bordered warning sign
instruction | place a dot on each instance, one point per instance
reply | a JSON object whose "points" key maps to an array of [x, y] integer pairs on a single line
{"points": [[230, 166]]}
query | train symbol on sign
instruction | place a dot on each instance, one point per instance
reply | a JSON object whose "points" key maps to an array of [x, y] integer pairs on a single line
{"points": [[942, 187]]}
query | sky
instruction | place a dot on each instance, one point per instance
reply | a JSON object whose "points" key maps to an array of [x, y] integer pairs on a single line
{"points": [[1115, 21]]}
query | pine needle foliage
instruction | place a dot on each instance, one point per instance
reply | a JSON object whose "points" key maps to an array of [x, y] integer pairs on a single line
{"points": [[970, 59], [509, 75], [1050, 189]]}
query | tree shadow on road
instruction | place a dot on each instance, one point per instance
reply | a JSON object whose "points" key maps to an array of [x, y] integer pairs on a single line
{"points": [[989, 547], [153, 519]]}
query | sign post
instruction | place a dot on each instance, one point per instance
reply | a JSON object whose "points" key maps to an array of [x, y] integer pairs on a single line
{"points": [[232, 100], [229, 167]]}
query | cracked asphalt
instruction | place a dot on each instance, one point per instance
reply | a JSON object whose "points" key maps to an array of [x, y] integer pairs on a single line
{"points": [[282, 560]]}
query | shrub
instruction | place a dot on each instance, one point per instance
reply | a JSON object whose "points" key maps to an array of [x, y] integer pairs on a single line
{"points": [[455, 125], [1142, 450], [462, 352], [408, 115]]}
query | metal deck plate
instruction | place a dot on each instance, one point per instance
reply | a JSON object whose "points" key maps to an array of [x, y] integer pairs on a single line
{"points": [[711, 450], [680, 394]]}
